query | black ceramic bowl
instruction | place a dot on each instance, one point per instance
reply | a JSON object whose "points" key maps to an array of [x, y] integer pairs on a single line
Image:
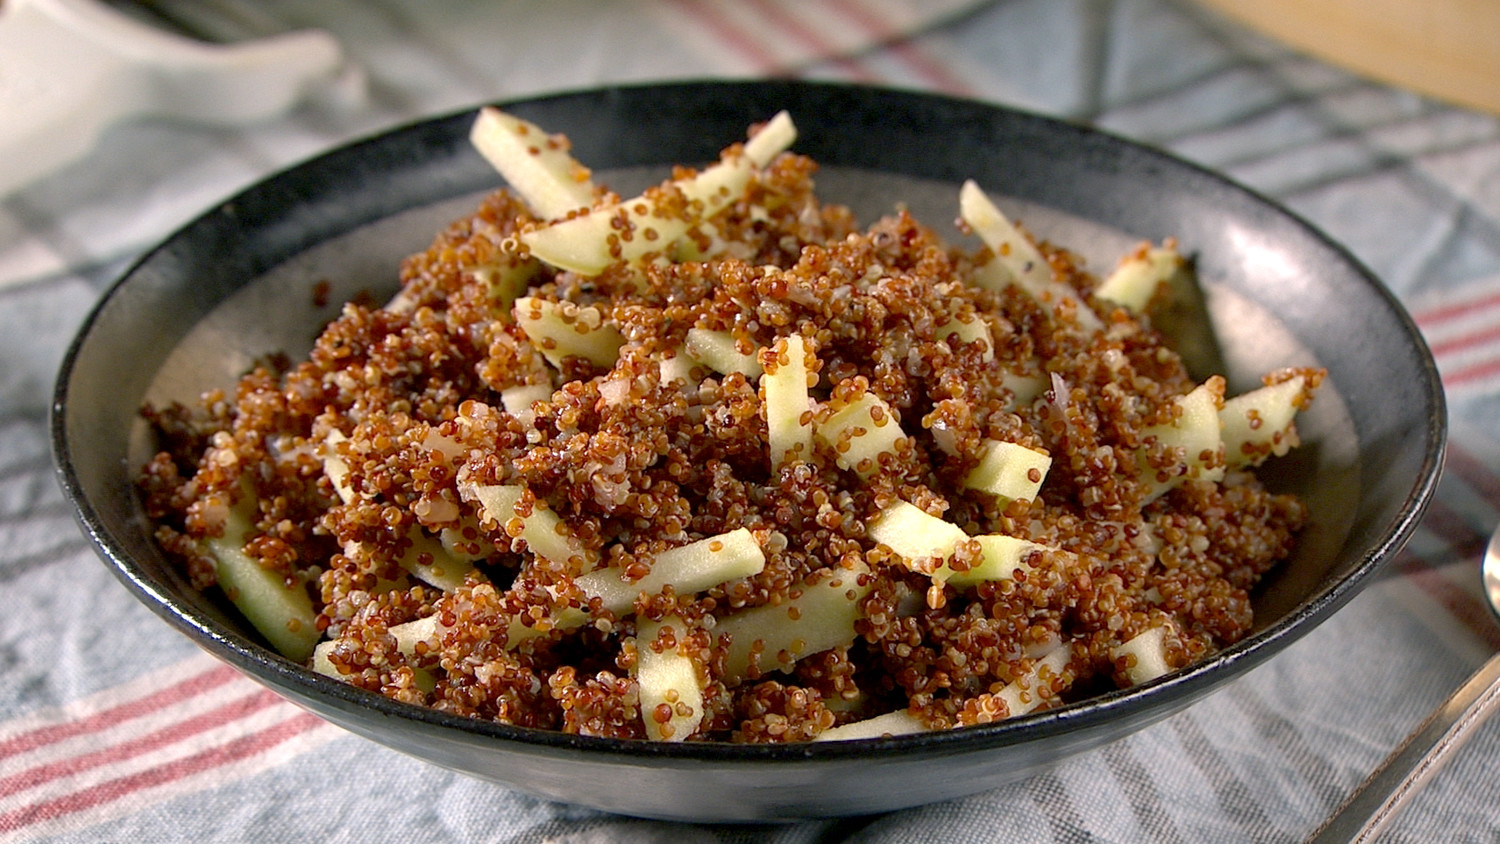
{"points": [[236, 284]]}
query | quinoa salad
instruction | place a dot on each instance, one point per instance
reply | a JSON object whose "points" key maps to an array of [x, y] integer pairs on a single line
{"points": [[719, 463]]}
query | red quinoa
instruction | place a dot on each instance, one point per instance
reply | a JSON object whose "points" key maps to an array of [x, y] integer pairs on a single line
{"points": [[634, 465]]}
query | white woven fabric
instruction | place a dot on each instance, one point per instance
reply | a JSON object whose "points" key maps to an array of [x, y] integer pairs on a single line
{"points": [[114, 728]]}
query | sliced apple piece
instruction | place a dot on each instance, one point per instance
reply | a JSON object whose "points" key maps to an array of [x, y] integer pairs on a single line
{"points": [[335, 466], [1260, 423], [545, 533], [536, 164], [701, 243], [463, 541], [407, 636], [518, 400], [1021, 696], [1196, 446], [914, 534], [1028, 269], [716, 187], [590, 243], [788, 406], [1025, 388], [1010, 471], [821, 617], [637, 228], [688, 569], [507, 278], [777, 135], [860, 431], [898, 723], [428, 559], [563, 329], [280, 611], [680, 366], [1139, 276], [1144, 656], [1000, 558], [1158, 280], [320, 661], [561, 618], [450, 449], [993, 274], [718, 351], [671, 697], [974, 330]]}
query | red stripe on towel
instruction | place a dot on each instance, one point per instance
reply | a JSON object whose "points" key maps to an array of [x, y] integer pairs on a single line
{"points": [[114, 790], [125, 711]]}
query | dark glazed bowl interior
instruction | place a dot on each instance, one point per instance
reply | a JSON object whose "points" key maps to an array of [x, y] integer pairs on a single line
{"points": [[236, 284]]}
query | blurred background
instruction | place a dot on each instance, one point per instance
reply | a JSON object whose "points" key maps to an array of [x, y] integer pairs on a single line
{"points": [[1376, 121]]}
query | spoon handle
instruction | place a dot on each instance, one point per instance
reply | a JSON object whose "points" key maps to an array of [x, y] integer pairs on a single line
{"points": [[1367, 810]]}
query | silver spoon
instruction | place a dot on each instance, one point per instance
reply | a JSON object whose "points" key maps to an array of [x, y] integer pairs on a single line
{"points": [[1409, 766]]}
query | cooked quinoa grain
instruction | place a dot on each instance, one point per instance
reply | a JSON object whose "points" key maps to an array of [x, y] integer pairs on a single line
{"points": [[618, 500]]}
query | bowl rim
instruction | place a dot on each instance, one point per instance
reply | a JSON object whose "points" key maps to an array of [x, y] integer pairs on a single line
{"points": [[1166, 694]]}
